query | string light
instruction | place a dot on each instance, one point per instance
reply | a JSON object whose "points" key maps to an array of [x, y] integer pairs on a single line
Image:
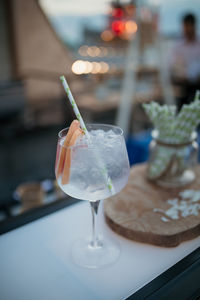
{"points": [[131, 27], [79, 67], [83, 50], [85, 67], [104, 67], [107, 35], [93, 51]]}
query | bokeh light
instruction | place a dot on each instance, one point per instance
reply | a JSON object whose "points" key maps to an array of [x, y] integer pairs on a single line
{"points": [[85, 67], [96, 68], [131, 27], [118, 27], [78, 67], [83, 50], [104, 67], [107, 35]]}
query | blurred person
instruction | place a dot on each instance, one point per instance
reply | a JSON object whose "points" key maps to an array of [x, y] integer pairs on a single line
{"points": [[185, 61]]}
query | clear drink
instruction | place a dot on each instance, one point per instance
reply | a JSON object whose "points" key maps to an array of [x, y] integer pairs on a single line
{"points": [[92, 162], [93, 169]]}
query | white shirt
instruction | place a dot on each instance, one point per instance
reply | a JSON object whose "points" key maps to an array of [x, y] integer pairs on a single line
{"points": [[185, 60]]}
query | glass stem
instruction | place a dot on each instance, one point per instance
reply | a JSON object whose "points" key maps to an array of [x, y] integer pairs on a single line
{"points": [[95, 243]]}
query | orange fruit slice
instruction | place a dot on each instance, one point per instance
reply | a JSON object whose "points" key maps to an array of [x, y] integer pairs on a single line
{"points": [[67, 163], [61, 158]]}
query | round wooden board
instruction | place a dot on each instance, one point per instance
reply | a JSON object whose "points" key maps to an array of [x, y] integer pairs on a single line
{"points": [[131, 212]]}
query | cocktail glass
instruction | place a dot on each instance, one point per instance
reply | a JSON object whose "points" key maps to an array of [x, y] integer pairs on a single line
{"points": [[94, 166]]}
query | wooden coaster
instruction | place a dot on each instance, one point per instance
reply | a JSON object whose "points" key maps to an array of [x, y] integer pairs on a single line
{"points": [[131, 212]]}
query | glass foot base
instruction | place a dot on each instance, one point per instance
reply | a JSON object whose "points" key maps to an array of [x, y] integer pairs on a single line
{"points": [[95, 256]]}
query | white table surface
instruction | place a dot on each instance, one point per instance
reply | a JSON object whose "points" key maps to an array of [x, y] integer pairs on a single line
{"points": [[36, 264]]}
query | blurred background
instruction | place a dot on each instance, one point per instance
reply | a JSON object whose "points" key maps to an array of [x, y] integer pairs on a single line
{"points": [[116, 55]]}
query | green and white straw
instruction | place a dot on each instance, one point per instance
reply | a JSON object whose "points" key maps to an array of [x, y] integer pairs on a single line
{"points": [[83, 127], [73, 104], [172, 129]]}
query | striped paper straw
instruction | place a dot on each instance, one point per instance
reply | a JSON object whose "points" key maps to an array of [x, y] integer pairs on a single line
{"points": [[173, 129], [83, 127], [74, 106]]}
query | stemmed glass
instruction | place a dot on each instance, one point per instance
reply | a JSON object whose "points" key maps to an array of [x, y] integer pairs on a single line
{"points": [[92, 167]]}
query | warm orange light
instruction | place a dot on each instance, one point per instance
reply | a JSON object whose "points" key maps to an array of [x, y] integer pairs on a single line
{"points": [[88, 67], [85, 67], [78, 67], [107, 36], [83, 50], [90, 51], [104, 67], [131, 27], [96, 67], [96, 51]]}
